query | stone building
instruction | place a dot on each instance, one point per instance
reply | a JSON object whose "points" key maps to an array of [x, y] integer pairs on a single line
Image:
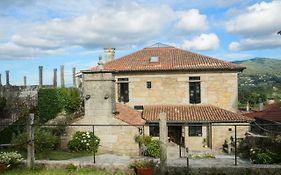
{"points": [[198, 93]]}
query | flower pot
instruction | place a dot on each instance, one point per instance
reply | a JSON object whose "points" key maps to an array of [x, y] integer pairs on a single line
{"points": [[144, 171], [2, 167]]}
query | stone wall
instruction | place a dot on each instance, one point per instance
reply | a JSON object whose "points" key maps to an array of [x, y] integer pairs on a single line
{"points": [[217, 88], [195, 142], [99, 94], [222, 133]]}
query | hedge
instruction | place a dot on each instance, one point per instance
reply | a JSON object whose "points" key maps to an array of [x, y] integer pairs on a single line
{"points": [[53, 101]]}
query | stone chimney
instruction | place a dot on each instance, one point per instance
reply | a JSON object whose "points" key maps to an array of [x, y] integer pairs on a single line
{"points": [[109, 54], [100, 63], [261, 104]]}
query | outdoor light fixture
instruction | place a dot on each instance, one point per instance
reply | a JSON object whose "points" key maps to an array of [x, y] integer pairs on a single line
{"points": [[87, 97]]}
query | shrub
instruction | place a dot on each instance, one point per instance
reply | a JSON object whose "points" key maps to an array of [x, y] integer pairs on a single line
{"points": [[10, 158], [138, 163], [45, 140], [48, 104], [84, 141], [2, 106], [53, 101], [150, 147], [259, 156], [153, 149]]}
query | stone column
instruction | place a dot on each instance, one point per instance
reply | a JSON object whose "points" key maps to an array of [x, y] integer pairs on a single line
{"points": [[0, 80], [40, 76], [55, 81], [73, 76], [24, 81], [62, 75], [7, 77], [163, 142]]}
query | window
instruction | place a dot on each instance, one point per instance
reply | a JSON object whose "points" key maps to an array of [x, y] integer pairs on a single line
{"points": [[148, 85], [138, 107], [154, 59], [154, 130], [123, 90], [195, 130], [194, 90]]}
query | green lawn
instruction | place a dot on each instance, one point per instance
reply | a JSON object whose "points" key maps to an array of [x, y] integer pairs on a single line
{"points": [[83, 171], [60, 155]]}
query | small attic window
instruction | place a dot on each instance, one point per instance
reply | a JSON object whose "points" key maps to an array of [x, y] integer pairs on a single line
{"points": [[154, 59]]}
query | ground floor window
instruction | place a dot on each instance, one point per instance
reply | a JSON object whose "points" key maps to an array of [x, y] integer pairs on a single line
{"points": [[154, 130], [195, 130]]}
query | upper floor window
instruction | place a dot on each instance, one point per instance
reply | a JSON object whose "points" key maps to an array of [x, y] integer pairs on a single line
{"points": [[148, 85], [123, 90], [194, 90]]}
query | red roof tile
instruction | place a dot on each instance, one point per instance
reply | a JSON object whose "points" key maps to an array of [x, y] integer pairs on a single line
{"points": [[170, 58], [128, 115], [271, 112], [192, 113]]}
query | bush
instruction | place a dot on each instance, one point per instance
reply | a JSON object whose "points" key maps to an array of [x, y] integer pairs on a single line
{"points": [[153, 149], [10, 158], [84, 141], [48, 104], [261, 150], [150, 147], [3, 102], [45, 140], [259, 156], [53, 101]]}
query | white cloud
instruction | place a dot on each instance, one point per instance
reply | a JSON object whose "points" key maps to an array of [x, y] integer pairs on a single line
{"points": [[257, 25], [192, 20], [270, 42], [50, 27], [203, 42], [258, 19]]}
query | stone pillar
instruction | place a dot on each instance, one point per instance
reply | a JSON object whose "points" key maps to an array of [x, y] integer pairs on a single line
{"points": [[109, 54], [55, 82], [24, 81], [62, 75], [0, 80], [73, 76], [163, 142], [40, 76], [7, 77]]}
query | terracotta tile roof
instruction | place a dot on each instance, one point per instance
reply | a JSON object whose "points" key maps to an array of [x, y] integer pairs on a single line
{"points": [[128, 115], [271, 112], [170, 58], [192, 113]]}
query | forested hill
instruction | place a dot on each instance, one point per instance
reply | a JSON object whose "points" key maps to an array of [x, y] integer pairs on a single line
{"points": [[260, 79], [261, 66]]}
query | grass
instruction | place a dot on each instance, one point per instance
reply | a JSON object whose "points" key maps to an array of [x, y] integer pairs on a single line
{"points": [[53, 155], [60, 155], [82, 171]]}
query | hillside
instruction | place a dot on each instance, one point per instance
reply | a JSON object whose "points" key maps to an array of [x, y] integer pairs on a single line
{"points": [[261, 66]]}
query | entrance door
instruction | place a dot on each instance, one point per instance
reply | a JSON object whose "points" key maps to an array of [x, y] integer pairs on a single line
{"points": [[174, 134]]}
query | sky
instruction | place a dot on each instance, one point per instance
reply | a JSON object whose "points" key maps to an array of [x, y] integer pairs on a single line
{"points": [[74, 33]]}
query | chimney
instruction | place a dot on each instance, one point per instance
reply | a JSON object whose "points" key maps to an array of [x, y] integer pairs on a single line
{"points": [[248, 107], [109, 54], [100, 63], [261, 104]]}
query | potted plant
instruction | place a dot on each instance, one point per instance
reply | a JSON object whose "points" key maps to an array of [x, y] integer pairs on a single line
{"points": [[143, 166]]}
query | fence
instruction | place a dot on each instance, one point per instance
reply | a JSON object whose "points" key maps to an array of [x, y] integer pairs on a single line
{"points": [[119, 139]]}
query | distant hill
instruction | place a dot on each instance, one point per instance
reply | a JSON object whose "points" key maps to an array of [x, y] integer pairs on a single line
{"points": [[261, 66]]}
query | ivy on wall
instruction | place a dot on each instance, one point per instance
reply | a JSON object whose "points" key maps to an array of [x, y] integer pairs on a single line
{"points": [[53, 101]]}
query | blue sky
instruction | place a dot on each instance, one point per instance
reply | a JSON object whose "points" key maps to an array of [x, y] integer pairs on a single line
{"points": [[73, 33]]}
